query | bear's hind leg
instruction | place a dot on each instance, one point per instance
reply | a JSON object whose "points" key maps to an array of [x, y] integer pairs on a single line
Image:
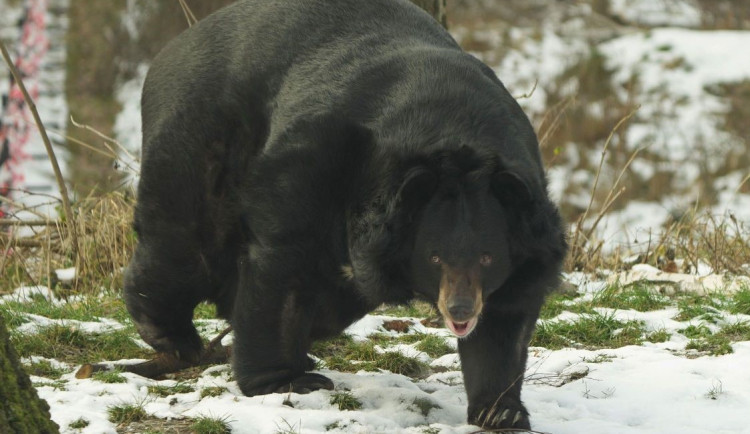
{"points": [[272, 321]]}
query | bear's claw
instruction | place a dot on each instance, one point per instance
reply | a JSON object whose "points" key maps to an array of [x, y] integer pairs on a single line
{"points": [[502, 417]]}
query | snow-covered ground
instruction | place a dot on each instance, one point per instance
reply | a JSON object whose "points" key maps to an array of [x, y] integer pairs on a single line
{"points": [[650, 388]]}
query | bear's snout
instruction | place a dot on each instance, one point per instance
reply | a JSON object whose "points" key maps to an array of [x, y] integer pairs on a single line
{"points": [[460, 299]]}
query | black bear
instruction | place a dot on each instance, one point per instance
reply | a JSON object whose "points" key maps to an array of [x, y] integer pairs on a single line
{"points": [[305, 161]]}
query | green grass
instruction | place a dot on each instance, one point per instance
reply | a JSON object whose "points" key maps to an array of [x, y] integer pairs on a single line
{"points": [[210, 425], [736, 332], [400, 364], [415, 309], [212, 391], [331, 347], [715, 345], [345, 401], [556, 303], [599, 358], [434, 346], [346, 355], [79, 423], [70, 345], [12, 317], [82, 309], [44, 368], [165, 391], [205, 310], [110, 377], [697, 307], [696, 331], [126, 413], [424, 406], [740, 301], [637, 296], [658, 336], [56, 385], [592, 331]]}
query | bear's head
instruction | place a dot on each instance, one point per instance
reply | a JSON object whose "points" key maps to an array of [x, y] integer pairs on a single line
{"points": [[463, 249]]}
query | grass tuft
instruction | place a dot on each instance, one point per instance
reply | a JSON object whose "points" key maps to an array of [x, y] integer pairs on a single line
{"points": [[434, 346], [210, 425], [715, 345], [424, 406], [79, 423], [110, 377], [71, 345], [592, 331], [741, 301], [165, 391], [45, 368], [213, 391], [659, 336], [736, 332], [345, 401], [400, 364], [637, 296], [126, 413]]}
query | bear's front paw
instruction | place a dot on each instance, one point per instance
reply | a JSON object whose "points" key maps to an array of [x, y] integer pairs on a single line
{"points": [[503, 414], [281, 382], [307, 383]]}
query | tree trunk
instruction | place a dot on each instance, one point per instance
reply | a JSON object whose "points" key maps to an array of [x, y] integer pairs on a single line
{"points": [[436, 8], [21, 409]]}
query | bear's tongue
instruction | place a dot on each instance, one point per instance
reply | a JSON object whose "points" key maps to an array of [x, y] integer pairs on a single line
{"points": [[461, 329]]}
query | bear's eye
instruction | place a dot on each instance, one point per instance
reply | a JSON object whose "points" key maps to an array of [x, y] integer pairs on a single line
{"points": [[435, 259], [485, 260]]}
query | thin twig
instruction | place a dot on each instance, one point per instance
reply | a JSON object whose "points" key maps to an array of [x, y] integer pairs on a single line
{"points": [[188, 13], [554, 124], [21, 207], [578, 247], [70, 218], [529, 93], [601, 160], [105, 137], [82, 143], [14, 222]]}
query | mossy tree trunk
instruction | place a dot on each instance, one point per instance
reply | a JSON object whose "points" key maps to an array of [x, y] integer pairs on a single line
{"points": [[436, 8], [21, 409]]}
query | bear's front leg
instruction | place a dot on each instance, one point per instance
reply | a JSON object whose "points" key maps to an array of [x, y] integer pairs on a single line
{"points": [[493, 360], [272, 318]]}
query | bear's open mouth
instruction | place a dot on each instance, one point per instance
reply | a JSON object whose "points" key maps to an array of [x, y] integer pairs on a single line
{"points": [[461, 329]]}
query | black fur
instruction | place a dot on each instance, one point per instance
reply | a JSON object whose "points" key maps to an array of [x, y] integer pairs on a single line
{"points": [[285, 139]]}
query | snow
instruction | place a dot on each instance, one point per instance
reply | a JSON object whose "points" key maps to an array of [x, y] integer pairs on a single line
{"points": [[66, 274], [657, 13], [653, 388]]}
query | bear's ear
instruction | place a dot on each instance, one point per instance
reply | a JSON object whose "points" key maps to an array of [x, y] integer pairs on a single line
{"points": [[511, 190], [417, 187]]}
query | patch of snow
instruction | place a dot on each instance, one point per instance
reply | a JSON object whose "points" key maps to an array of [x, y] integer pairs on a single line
{"points": [[657, 13], [66, 274]]}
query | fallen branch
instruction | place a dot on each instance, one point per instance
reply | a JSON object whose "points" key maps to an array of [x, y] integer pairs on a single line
{"points": [[14, 222], [163, 363]]}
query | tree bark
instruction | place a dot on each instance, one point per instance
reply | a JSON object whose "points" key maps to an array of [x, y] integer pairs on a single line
{"points": [[436, 8], [21, 409]]}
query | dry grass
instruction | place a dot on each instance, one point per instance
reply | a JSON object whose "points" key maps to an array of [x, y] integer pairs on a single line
{"points": [[106, 243]]}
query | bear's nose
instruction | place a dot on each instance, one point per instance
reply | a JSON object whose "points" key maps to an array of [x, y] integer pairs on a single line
{"points": [[461, 309]]}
